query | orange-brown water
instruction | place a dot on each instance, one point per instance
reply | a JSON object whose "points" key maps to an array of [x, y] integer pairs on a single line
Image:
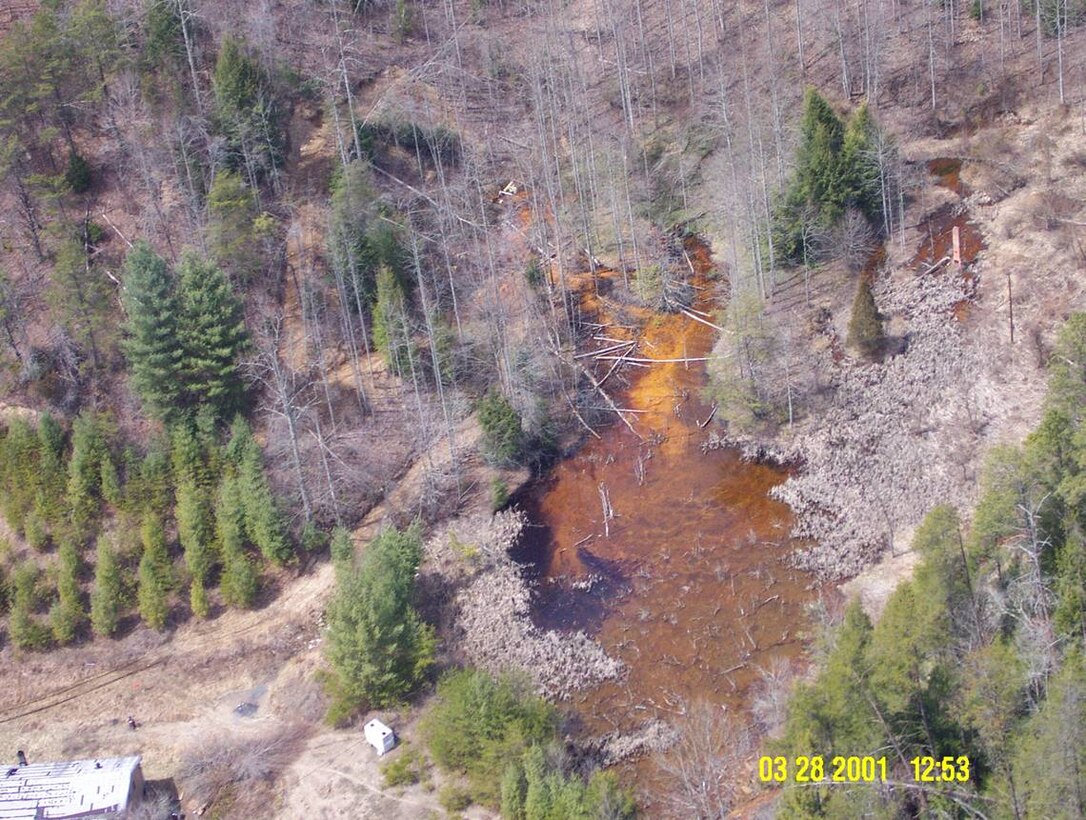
{"points": [[691, 592], [937, 231]]}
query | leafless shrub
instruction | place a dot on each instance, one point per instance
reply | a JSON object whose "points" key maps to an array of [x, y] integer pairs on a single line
{"points": [[1076, 159], [656, 736], [240, 769], [1053, 209], [707, 767], [853, 240], [158, 807], [771, 692]]}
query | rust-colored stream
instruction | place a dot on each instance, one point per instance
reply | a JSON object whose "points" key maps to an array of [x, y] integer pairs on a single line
{"points": [[690, 590]]}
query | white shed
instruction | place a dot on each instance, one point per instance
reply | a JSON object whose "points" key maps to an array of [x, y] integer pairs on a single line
{"points": [[382, 738]]}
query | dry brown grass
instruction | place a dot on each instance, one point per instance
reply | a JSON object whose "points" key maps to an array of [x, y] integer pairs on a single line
{"points": [[299, 697], [239, 771]]}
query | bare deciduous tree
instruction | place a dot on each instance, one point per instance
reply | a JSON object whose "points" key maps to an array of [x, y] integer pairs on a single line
{"points": [[708, 766]]}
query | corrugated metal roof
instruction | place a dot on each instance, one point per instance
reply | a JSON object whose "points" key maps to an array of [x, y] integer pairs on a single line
{"points": [[78, 788]]}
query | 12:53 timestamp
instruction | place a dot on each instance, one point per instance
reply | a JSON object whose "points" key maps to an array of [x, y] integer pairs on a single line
{"points": [[940, 770]]}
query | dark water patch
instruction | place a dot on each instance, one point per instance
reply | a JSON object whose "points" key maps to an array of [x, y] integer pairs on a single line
{"points": [[948, 171]]}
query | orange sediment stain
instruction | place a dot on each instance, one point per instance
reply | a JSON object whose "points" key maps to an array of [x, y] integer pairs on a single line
{"points": [[695, 596]]}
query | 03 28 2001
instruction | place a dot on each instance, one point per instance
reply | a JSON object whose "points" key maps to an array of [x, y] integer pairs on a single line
{"points": [[816, 769]]}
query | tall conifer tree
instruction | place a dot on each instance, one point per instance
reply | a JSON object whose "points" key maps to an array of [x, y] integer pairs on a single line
{"points": [[106, 596], [214, 335], [239, 582], [154, 346], [154, 575], [263, 524]]}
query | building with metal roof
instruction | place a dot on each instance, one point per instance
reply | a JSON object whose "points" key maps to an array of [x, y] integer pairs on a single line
{"points": [[106, 787]]}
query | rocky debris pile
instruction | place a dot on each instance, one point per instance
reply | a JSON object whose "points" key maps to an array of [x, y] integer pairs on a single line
{"points": [[614, 747], [757, 452], [897, 438], [475, 541], [493, 613]]}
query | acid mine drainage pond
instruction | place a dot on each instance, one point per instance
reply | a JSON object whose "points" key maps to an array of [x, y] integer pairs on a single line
{"points": [[686, 583]]}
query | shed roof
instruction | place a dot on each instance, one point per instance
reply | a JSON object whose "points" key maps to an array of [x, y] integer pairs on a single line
{"points": [[377, 728], [78, 788]]}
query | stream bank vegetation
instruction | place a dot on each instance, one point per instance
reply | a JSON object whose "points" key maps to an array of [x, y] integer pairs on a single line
{"points": [[981, 652]]}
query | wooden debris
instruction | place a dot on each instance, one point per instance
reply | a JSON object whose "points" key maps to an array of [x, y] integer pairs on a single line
{"points": [[708, 418], [690, 315]]}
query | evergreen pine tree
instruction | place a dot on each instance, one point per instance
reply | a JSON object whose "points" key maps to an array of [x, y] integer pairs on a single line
{"points": [[820, 177], [239, 582], [34, 531], [198, 601], [1069, 615], [18, 470], [67, 614], [342, 549], [1051, 758], [1067, 370], [195, 531], [513, 792], [390, 331], [187, 461], [49, 507], [154, 346], [148, 489], [214, 336], [236, 229], [263, 524], [246, 112], [827, 712], [206, 428], [865, 325], [106, 599], [236, 83], [538, 797], [155, 575], [110, 481], [860, 164], [26, 631], [85, 473], [377, 644], [352, 253], [503, 437], [164, 44]]}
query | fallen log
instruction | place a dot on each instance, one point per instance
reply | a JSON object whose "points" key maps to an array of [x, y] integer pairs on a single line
{"points": [[612, 369], [606, 398], [689, 264], [708, 418], [936, 266], [609, 349], [661, 361], [584, 423], [690, 315]]}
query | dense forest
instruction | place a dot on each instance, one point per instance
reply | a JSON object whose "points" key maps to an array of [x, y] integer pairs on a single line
{"points": [[979, 655], [298, 296]]}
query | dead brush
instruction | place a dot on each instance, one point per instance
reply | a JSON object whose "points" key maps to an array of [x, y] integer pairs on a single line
{"points": [[240, 770]]}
